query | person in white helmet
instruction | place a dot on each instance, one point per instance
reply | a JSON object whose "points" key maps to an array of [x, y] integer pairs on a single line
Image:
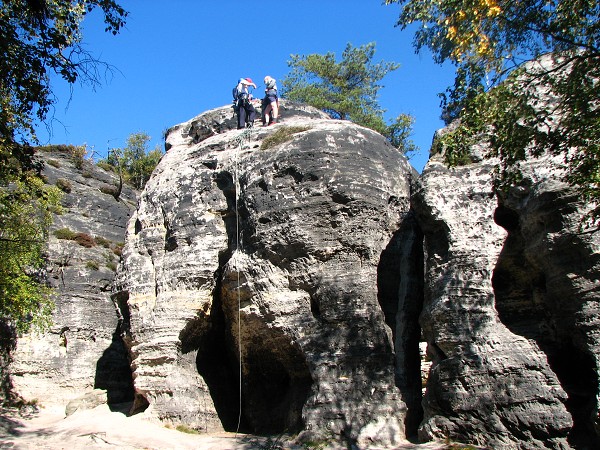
{"points": [[270, 104], [242, 103]]}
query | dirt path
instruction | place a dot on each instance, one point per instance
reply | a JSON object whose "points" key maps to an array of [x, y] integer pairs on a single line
{"points": [[99, 428]]}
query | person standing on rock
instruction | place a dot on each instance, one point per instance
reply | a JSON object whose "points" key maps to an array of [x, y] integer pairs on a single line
{"points": [[242, 103], [270, 104]]}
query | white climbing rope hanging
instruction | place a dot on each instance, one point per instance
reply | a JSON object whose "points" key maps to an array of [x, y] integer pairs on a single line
{"points": [[238, 141]]}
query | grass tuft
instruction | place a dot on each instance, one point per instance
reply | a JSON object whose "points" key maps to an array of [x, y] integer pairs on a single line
{"points": [[186, 429], [283, 134]]}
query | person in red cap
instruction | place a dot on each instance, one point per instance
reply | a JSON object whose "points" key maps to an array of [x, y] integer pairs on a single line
{"points": [[242, 103]]}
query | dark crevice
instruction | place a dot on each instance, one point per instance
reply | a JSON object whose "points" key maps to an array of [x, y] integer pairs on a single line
{"points": [[210, 163], [400, 294], [137, 226], [314, 308], [113, 373], [277, 383], [298, 176], [576, 372], [113, 369], [226, 183], [218, 366], [120, 301], [506, 218], [170, 242], [263, 185], [170, 238], [340, 198], [215, 362]]}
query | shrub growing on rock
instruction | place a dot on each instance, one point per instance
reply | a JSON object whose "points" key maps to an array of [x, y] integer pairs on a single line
{"points": [[64, 185]]}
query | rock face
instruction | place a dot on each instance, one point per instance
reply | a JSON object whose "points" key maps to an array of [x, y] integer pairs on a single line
{"points": [[265, 262], [83, 349], [510, 311], [511, 320], [546, 283], [486, 385]]}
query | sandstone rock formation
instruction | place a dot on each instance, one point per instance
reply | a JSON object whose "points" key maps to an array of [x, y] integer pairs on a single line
{"points": [[269, 258], [486, 385], [510, 319], [546, 283], [303, 265], [83, 349]]}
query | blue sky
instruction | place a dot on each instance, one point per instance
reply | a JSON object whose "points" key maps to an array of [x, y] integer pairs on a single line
{"points": [[177, 59]]}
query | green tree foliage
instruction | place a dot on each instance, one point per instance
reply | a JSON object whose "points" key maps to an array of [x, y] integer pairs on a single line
{"points": [[347, 90], [488, 40], [499, 34], [37, 37], [135, 163], [26, 206]]}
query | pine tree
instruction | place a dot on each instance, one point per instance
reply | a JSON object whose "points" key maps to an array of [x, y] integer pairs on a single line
{"points": [[347, 90]]}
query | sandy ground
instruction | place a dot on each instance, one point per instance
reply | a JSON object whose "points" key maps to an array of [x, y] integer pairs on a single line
{"points": [[100, 428]]}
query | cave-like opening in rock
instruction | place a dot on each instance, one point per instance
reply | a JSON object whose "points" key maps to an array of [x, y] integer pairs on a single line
{"points": [[529, 308], [276, 384], [218, 368], [400, 294], [276, 380], [113, 368], [215, 361], [113, 373], [577, 376]]}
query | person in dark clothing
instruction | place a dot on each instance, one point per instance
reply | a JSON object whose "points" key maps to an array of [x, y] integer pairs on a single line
{"points": [[242, 103]]}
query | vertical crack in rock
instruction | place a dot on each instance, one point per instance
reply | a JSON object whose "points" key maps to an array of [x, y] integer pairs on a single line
{"points": [[235, 216], [400, 294], [226, 183], [536, 287], [206, 335], [119, 386]]}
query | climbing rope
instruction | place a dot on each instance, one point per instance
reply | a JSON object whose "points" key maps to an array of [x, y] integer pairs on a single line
{"points": [[239, 142]]}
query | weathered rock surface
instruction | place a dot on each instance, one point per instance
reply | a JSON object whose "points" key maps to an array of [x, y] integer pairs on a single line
{"points": [[305, 274], [269, 257], [486, 385], [511, 308], [83, 349], [546, 283], [511, 321]]}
